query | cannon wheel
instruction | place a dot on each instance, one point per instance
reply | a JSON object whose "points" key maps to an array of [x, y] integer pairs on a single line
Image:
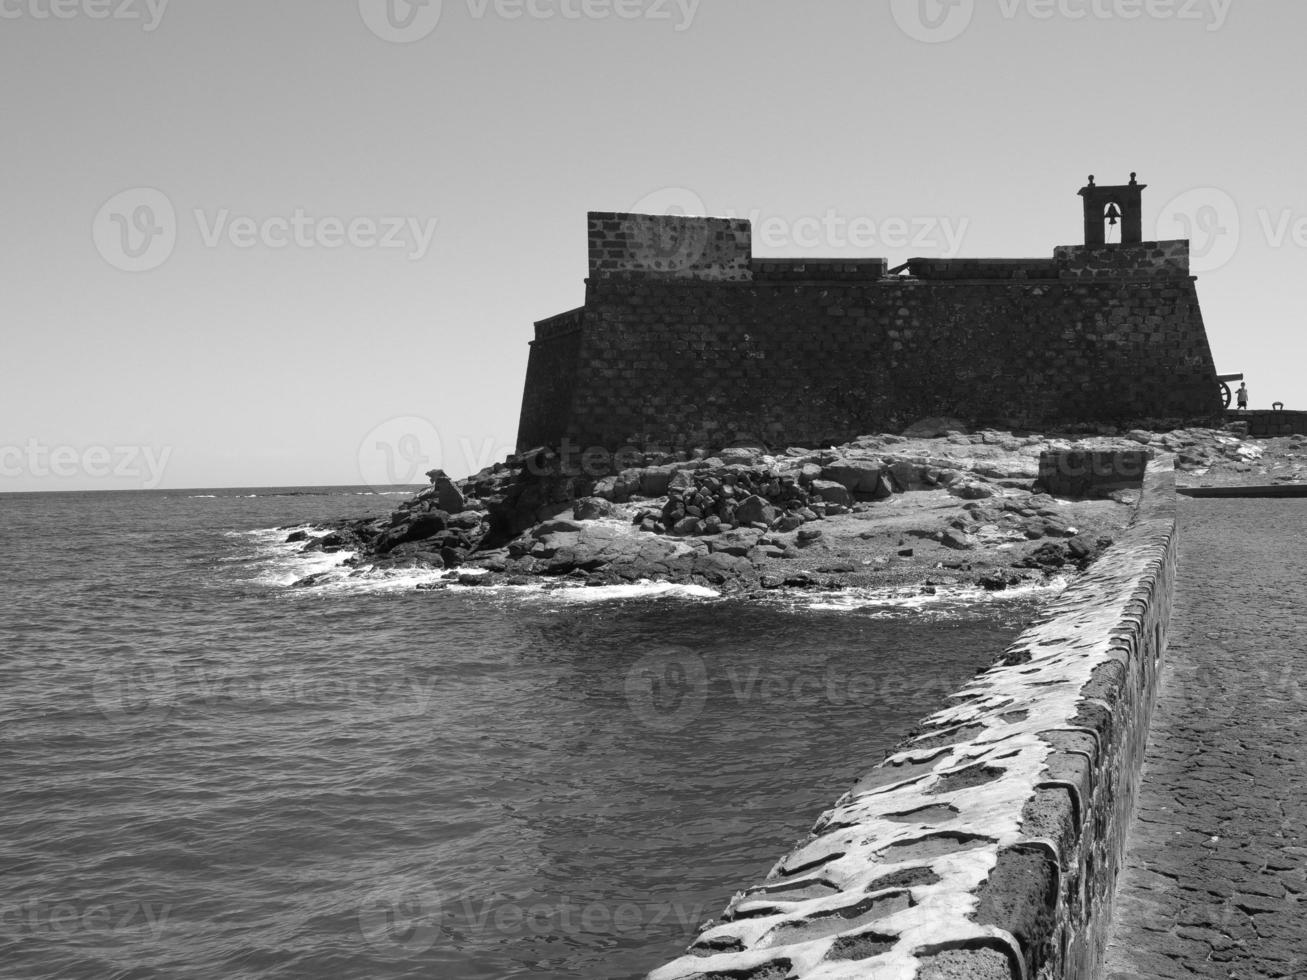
{"points": [[1226, 394]]}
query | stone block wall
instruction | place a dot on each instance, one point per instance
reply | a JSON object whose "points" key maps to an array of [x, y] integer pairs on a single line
{"points": [[687, 341], [670, 247], [1081, 475], [1267, 424], [551, 370], [687, 364], [818, 270], [1146, 260], [987, 846]]}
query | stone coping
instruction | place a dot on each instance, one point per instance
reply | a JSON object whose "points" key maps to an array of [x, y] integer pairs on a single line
{"points": [[986, 845]]}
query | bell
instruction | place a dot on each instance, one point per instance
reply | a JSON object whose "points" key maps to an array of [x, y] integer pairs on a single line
{"points": [[1113, 212]]}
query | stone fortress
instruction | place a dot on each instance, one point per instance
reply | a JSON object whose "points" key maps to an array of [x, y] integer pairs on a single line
{"points": [[686, 340]]}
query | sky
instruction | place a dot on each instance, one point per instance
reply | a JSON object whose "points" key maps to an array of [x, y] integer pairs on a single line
{"points": [[249, 243]]}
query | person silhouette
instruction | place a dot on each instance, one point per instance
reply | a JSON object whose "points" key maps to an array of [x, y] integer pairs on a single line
{"points": [[1242, 396]]}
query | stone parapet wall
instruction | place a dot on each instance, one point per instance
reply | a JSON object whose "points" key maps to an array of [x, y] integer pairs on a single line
{"points": [[983, 269], [1269, 424], [1148, 260], [557, 326], [662, 246], [987, 845], [819, 270]]}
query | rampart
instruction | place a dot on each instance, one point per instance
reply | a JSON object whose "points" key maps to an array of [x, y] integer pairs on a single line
{"points": [[987, 845], [686, 340], [1267, 424]]}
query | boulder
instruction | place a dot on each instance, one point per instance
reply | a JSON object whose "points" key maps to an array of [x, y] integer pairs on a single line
{"points": [[687, 527], [855, 475], [738, 542], [681, 480], [591, 509], [755, 510], [958, 540], [740, 456], [722, 569], [935, 427], [556, 527], [909, 476], [832, 491], [1046, 556], [972, 490], [809, 472], [420, 528], [619, 488], [447, 496], [884, 489], [654, 480]]}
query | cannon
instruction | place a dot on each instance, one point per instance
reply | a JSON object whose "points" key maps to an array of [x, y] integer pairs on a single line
{"points": [[1224, 381]]}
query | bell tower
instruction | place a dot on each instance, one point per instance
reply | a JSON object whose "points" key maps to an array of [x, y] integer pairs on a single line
{"points": [[1107, 206]]}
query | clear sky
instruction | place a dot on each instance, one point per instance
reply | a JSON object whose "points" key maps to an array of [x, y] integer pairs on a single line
{"points": [[252, 243]]}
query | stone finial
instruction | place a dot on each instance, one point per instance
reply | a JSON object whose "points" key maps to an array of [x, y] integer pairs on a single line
{"points": [[1133, 175], [1091, 180]]}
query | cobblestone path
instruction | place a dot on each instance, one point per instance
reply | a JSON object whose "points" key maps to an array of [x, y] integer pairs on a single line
{"points": [[1214, 882]]}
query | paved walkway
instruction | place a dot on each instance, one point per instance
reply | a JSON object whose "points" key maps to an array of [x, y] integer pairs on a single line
{"points": [[1215, 882]]}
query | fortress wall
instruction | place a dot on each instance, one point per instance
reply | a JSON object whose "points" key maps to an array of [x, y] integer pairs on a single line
{"points": [[550, 378], [679, 363], [987, 845]]}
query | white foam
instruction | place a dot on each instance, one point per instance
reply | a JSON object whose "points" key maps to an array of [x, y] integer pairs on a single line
{"points": [[845, 600], [644, 589], [284, 563]]}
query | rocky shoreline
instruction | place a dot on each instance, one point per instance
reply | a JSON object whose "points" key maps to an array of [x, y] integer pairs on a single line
{"points": [[938, 507], [931, 508]]}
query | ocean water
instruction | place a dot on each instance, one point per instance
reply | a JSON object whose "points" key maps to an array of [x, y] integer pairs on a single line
{"points": [[206, 772]]}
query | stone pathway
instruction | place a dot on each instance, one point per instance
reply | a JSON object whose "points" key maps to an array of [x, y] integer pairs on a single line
{"points": [[1214, 883]]}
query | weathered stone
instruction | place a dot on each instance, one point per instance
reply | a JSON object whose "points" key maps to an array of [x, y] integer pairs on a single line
{"points": [[788, 522], [687, 527], [855, 475], [972, 490], [655, 480], [953, 538], [591, 509], [755, 510], [833, 492], [448, 497], [933, 428]]}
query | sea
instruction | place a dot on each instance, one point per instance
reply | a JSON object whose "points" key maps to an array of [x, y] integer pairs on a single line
{"points": [[209, 772]]}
